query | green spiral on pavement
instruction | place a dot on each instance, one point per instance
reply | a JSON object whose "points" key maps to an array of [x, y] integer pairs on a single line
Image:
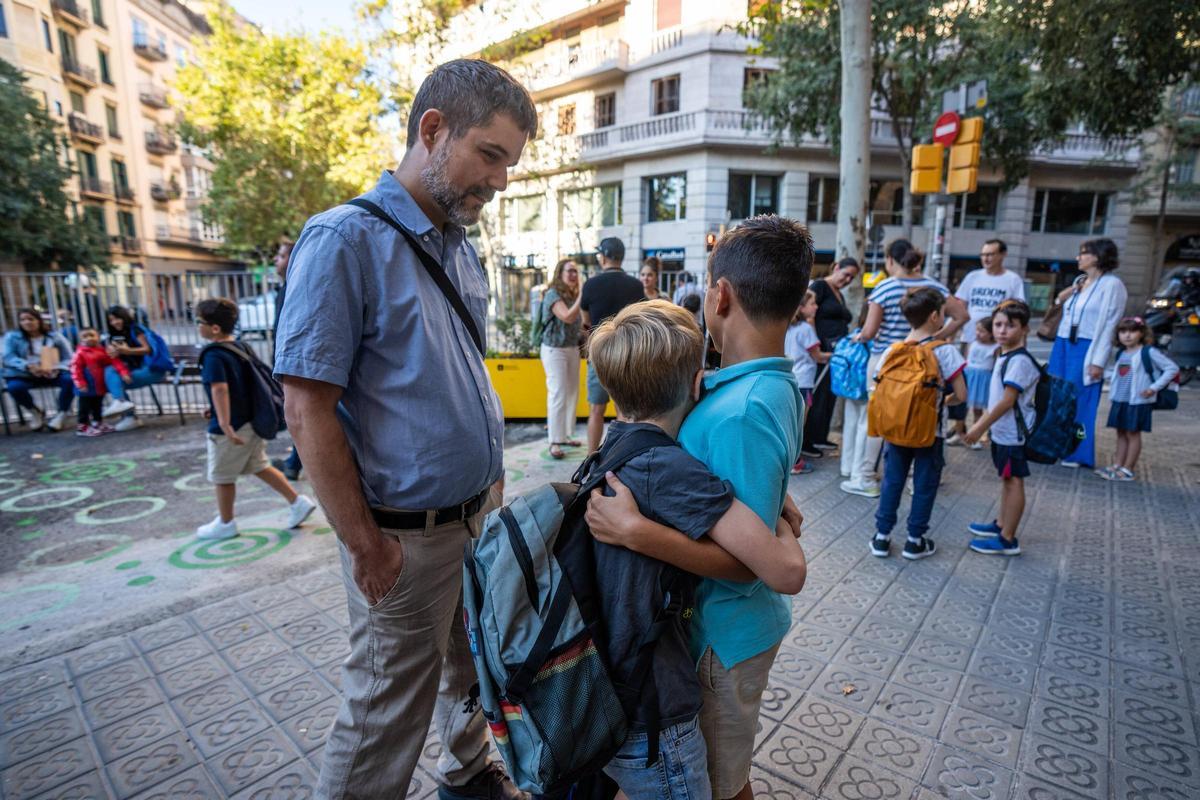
{"points": [[89, 471], [249, 545]]}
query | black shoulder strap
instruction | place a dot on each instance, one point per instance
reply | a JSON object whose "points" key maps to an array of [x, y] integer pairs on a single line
{"points": [[432, 267], [591, 472], [1148, 362], [1022, 428]]}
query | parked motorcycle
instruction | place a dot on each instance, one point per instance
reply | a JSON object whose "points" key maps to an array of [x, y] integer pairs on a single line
{"points": [[1173, 314]]}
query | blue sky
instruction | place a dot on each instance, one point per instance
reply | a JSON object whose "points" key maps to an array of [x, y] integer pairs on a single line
{"points": [[290, 15]]}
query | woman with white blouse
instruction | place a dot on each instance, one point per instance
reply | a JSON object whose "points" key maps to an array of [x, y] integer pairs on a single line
{"points": [[1092, 306]]}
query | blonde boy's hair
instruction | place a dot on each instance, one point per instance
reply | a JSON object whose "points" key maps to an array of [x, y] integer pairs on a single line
{"points": [[647, 356]]}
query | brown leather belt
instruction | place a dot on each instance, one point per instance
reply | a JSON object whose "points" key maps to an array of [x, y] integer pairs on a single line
{"points": [[415, 520]]}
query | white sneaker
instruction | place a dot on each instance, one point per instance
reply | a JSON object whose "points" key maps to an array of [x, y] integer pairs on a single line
{"points": [[55, 423], [861, 489], [115, 407], [300, 510], [36, 418], [217, 529], [127, 424], [977, 446], [1070, 464], [953, 440]]}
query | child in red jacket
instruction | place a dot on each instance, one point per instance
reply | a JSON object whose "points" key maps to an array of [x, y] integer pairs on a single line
{"points": [[87, 370]]}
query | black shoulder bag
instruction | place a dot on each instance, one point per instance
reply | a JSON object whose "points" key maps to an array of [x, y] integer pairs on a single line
{"points": [[432, 267]]}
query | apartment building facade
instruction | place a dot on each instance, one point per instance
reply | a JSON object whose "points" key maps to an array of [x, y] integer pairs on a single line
{"points": [[645, 135], [103, 68]]}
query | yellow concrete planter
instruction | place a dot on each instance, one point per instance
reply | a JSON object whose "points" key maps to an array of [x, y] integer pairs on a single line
{"points": [[521, 385]]}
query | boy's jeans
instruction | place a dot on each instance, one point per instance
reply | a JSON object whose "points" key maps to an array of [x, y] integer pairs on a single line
{"points": [[681, 773], [926, 463]]}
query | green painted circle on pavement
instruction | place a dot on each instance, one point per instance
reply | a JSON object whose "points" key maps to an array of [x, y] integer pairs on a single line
{"points": [[89, 471], [249, 545]]}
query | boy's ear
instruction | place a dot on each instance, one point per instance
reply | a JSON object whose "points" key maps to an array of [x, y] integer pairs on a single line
{"points": [[697, 384], [725, 297]]}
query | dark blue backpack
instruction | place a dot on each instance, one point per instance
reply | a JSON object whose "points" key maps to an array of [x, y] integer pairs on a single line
{"points": [[266, 395], [848, 368], [1168, 398], [1056, 434]]}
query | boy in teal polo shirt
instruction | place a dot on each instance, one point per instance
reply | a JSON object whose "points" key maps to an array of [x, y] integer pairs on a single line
{"points": [[746, 430]]}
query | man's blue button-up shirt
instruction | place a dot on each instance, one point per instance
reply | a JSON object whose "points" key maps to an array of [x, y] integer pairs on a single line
{"points": [[419, 411]]}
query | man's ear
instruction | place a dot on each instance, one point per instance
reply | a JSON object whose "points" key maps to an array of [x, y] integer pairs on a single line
{"points": [[697, 384], [432, 123], [725, 297]]}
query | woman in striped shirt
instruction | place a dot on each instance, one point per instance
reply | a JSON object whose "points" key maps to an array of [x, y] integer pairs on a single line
{"points": [[885, 325]]}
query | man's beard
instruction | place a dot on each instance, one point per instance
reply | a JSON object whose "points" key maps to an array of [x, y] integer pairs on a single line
{"points": [[452, 201]]}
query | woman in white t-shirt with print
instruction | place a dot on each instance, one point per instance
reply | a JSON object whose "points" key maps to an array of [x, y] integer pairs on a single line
{"points": [[1092, 306], [885, 325]]}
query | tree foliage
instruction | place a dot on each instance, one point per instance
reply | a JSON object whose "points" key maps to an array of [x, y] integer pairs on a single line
{"points": [[292, 123], [39, 225], [1102, 63]]}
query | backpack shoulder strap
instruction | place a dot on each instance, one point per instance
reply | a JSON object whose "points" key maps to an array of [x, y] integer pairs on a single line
{"points": [[1148, 362], [629, 448], [434, 269]]}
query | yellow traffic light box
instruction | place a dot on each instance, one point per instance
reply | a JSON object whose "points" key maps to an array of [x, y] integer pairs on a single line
{"points": [[926, 169], [964, 157]]}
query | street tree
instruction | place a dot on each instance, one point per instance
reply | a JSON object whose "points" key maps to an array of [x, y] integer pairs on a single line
{"points": [[1102, 63], [40, 226], [292, 123], [855, 117]]}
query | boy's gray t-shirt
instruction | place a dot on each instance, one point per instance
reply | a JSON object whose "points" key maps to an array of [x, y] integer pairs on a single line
{"points": [[676, 490]]}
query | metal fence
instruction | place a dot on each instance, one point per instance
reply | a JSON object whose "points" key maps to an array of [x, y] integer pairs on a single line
{"points": [[163, 302]]}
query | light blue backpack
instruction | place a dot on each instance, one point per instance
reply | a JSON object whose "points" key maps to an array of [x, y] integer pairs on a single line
{"points": [[532, 616], [848, 368]]}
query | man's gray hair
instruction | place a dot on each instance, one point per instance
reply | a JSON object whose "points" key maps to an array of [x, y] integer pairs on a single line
{"points": [[469, 92]]}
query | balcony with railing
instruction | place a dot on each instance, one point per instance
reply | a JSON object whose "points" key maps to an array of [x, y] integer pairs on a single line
{"points": [[191, 236], [153, 96], [69, 12], [126, 244], [1087, 149], [78, 73], [160, 143], [575, 69], [124, 194], [94, 187], [151, 51], [165, 192], [83, 130]]}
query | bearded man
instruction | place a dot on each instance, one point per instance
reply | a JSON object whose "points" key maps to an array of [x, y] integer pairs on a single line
{"points": [[391, 408]]}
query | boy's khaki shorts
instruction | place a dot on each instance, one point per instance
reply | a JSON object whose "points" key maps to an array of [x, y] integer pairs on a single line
{"points": [[729, 717], [226, 460]]}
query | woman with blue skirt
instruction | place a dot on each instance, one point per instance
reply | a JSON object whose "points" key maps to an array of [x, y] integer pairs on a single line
{"points": [[1092, 306]]}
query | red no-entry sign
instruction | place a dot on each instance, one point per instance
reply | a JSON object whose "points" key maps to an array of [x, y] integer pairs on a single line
{"points": [[945, 130]]}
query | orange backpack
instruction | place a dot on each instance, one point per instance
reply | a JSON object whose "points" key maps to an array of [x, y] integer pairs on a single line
{"points": [[904, 407]]}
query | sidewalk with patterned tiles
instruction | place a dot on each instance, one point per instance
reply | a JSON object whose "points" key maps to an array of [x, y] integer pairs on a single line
{"points": [[1070, 672]]}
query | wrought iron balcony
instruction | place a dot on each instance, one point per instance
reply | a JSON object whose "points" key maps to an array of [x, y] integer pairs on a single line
{"points": [[161, 143], [126, 244], [124, 193], [151, 51], [70, 12], [94, 187], [84, 76], [84, 130], [153, 96], [190, 236], [165, 192]]}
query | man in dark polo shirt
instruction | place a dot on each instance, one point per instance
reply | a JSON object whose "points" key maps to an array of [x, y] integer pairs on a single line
{"points": [[603, 296]]}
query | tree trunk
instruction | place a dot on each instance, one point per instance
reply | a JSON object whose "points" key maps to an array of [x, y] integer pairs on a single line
{"points": [[855, 167], [1156, 251]]}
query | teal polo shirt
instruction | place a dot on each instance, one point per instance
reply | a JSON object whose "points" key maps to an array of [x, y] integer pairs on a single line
{"points": [[746, 430]]}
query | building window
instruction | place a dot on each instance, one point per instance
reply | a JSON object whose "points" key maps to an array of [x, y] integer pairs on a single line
{"points": [[105, 72], [524, 214], [58, 109], [566, 120], [120, 175], [606, 110], [977, 211], [885, 202], [667, 14], [77, 104], [141, 35], [752, 77], [592, 207], [95, 217], [3, 24], [1183, 167], [98, 13], [665, 92], [87, 165], [125, 224], [667, 197], [1056, 211], [46, 35], [822, 200], [110, 116], [751, 195], [181, 56]]}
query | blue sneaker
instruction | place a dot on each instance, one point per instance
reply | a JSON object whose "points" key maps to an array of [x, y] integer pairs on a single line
{"points": [[996, 546], [984, 530]]}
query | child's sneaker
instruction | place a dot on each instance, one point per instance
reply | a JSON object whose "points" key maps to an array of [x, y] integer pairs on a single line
{"points": [[114, 407], [300, 510], [861, 489], [977, 446], [1107, 472], [916, 549], [954, 440], [996, 546], [36, 418], [985, 530], [881, 546], [801, 467], [104, 428], [86, 430], [825, 446], [217, 529], [56, 422], [1122, 474], [127, 424]]}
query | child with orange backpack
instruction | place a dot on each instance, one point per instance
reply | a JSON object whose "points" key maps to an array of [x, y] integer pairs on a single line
{"points": [[906, 411]]}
